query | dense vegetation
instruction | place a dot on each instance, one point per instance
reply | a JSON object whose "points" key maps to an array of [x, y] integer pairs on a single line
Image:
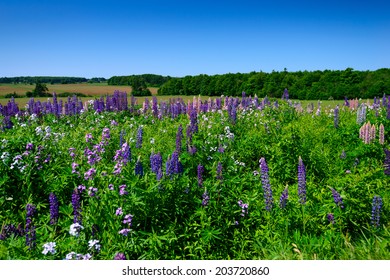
{"points": [[45, 79], [316, 85], [226, 178], [151, 80]]}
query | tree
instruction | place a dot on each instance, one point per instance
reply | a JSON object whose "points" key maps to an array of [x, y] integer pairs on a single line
{"points": [[40, 90]]}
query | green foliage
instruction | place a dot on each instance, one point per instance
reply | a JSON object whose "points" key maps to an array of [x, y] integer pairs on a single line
{"points": [[169, 220]]}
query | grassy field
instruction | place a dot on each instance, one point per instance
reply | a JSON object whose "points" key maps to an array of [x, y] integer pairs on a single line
{"points": [[85, 88]]}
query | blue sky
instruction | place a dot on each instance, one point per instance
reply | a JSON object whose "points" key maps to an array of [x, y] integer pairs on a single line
{"points": [[178, 38]]}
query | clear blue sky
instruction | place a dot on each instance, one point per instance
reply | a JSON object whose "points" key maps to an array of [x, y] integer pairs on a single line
{"points": [[95, 38]]}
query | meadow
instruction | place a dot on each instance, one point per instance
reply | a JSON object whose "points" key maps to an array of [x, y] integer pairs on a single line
{"points": [[222, 178]]}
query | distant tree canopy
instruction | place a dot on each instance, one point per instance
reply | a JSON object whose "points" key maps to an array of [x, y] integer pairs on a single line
{"points": [[151, 80], [302, 85], [40, 90], [42, 79]]}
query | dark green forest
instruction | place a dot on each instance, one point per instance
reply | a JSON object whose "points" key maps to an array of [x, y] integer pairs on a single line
{"points": [[327, 84], [47, 80], [151, 80]]}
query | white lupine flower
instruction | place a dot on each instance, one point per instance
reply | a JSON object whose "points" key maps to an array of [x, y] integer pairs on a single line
{"points": [[75, 229], [49, 248]]}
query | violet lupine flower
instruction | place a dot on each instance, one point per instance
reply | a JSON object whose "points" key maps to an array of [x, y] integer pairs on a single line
{"points": [[29, 146], [111, 187], [30, 228], [124, 231], [71, 152], [200, 175], [337, 198], [336, 117], [120, 256], [179, 136], [10, 229], [138, 145], [283, 198], [105, 135], [88, 137], [122, 190], [81, 188], [76, 206], [205, 198], [139, 170], [330, 218], [92, 191], [119, 211], [74, 166], [121, 138], [266, 185], [54, 212], [387, 162], [90, 174], [376, 210], [244, 208], [128, 219], [301, 182], [219, 171]]}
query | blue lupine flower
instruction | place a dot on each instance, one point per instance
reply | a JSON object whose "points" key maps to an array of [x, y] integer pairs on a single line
{"points": [[266, 185], [337, 198], [301, 182], [283, 198], [54, 212], [376, 210]]}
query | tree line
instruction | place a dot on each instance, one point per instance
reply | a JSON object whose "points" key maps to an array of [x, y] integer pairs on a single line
{"points": [[150, 80], [44, 79], [310, 85]]}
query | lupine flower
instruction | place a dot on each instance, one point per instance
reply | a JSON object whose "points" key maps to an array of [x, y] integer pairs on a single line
{"points": [[111, 187], [119, 211], [381, 134], [139, 138], [90, 174], [88, 137], [301, 182], [155, 162], [29, 146], [337, 198], [330, 218], [75, 229], [94, 245], [76, 206], [92, 191], [205, 199], [376, 210], [124, 231], [49, 248], [53, 201], [128, 219], [122, 190], [219, 171], [30, 228], [139, 170], [200, 173], [387, 162], [81, 188], [343, 155], [266, 185], [336, 117], [244, 208], [283, 198], [179, 136], [120, 256], [74, 166], [105, 135]]}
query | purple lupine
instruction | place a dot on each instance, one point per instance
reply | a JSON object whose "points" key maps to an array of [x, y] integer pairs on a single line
{"points": [[283, 198], [119, 256], [336, 117], [138, 145], [92, 191], [381, 134], [179, 136], [124, 231], [88, 138], [330, 218], [337, 198], [219, 171], [122, 190], [200, 175], [376, 210], [156, 165], [128, 220], [346, 102], [301, 182], [29, 146], [119, 211], [54, 211], [386, 163], [30, 228], [90, 174], [106, 135], [266, 185], [9, 229], [139, 170], [121, 138], [76, 206], [244, 208], [205, 198]]}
